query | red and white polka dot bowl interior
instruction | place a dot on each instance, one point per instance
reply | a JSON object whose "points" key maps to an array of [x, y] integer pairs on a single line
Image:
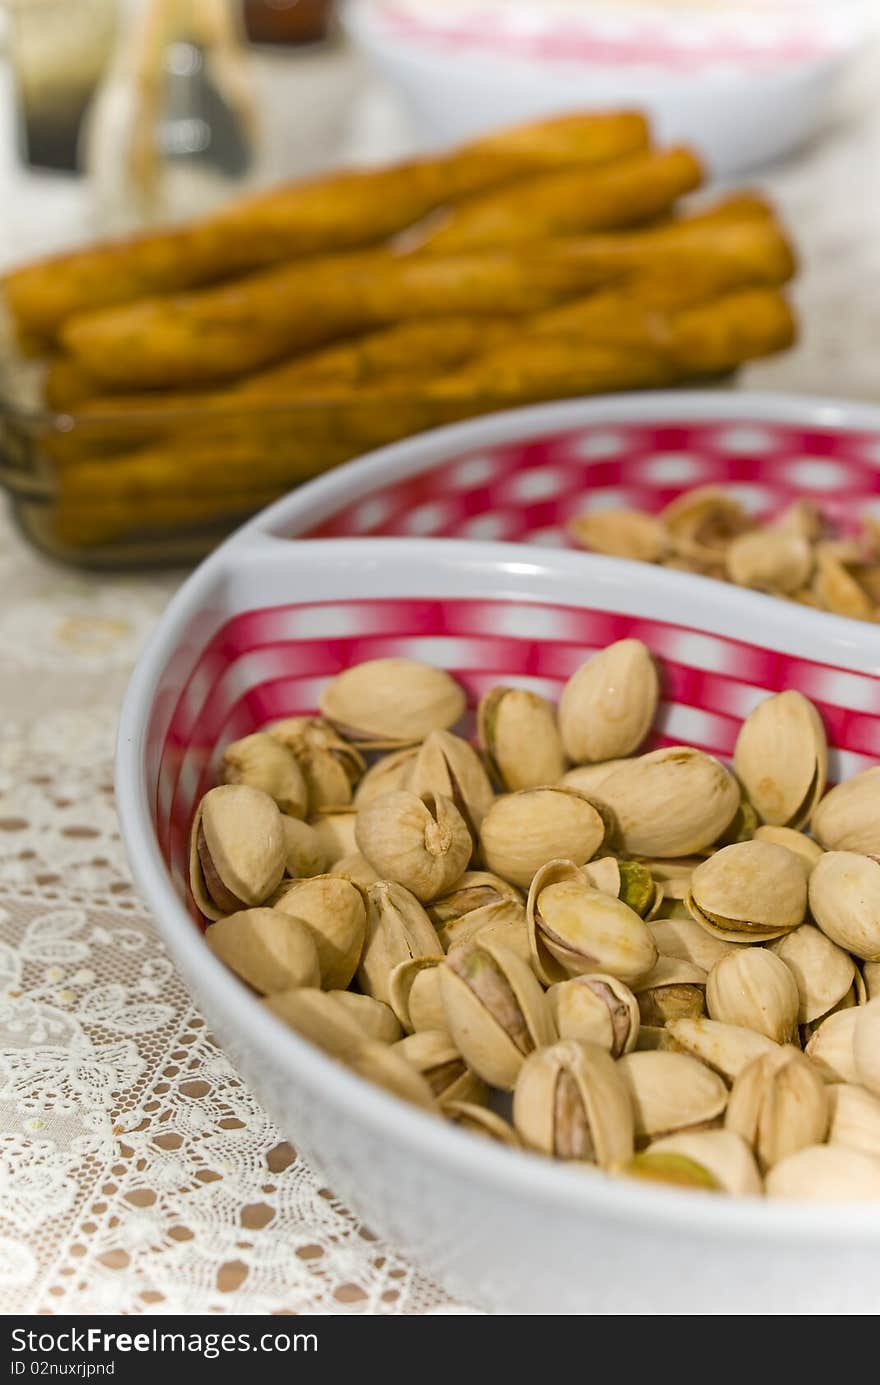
{"points": [[259, 628]]}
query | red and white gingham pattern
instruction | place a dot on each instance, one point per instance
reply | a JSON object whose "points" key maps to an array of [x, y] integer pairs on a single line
{"points": [[272, 663], [527, 491]]}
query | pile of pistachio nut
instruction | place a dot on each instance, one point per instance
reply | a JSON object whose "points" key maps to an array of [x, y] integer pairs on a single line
{"points": [[671, 977]]}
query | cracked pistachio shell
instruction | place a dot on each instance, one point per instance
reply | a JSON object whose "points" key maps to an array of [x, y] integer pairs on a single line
{"points": [[848, 817], [304, 852], [866, 1045], [357, 869], [823, 972], [481, 1120], [575, 930], [422, 842], [749, 892], [336, 832], [330, 766], [447, 765], [571, 1102], [725, 1048], [808, 852], [377, 1021], [754, 989], [781, 758], [672, 989], [262, 763], [385, 704], [670, 1092], [495, 1010], [269, 950], [434, 1055], [474, 890], [621, 534], [778, 1105], [855, 1118], [587, 778], [504, 921], [871, 978], [523, 831], [671, 802], [607, 706], [597, 1009], [845, 902], [770, 561], [703, 521], [518, 732], [724, 1155], [334, 911], [237, 850], [398, 929], [414, 992], [688, 940], [826, 1173], [389, 773], [831, 1047]]}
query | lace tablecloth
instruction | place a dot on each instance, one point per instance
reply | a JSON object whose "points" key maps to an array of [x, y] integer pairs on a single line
{"points": [[137, 1173]]}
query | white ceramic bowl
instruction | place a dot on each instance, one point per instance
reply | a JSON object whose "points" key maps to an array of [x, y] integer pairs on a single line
{"points": [[254, 633], [740, 88]]}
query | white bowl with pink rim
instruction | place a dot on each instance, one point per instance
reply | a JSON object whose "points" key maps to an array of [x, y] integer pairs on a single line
{"points": [[255, 633], [744, 81]]}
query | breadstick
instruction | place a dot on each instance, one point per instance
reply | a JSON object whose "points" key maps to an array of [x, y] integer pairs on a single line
{"points": [[339, 211]]}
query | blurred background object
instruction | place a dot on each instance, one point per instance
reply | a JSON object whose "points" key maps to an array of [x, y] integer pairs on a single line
{"points": [[287, 21]]}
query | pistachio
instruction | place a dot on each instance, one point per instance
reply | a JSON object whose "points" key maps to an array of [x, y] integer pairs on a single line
{"points": [[871, 979], [237, 850], [702, 522], [334, 912], [671, 1092], [480, 1120], [855, 1118], [422, 842], [776, 562], [397, 930], [778, 1105], [587, 778], [391, 703], [845, 902], [831, 1047], [446, 765], [597, 1009], [826, 1173], [495, 1010], [385, 776], [822, 971], [575, 930], [781, 757], [807, 851], [725, 1048], [434, 1055], [377, 1021], [749, 892], [304, 853], [609, 703], [356, 868], [262, 763], [621, 534], [721, 1154], [627, 880], [837, 588], [671, 990], [518, 732], [753, 988], [505, 921], [414, 992], [671, 802], [329, 765], [474, 890], [572, 1102], [688, 940], [335, 831], [801, 517], [866, 1045], [848, 817], [523, 831], [656, 1165], [268, 950]]}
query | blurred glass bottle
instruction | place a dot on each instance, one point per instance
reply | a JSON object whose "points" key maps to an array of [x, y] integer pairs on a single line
{"points": [[287, 21], [172, 132], [59, 50]]}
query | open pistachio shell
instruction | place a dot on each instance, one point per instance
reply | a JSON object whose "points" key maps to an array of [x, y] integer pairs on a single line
{"points": [[397, 930], [597, 1009], [621, 534], [845, 902], [671, 802], [608, 705], [377, 1021], [575, 930], [655, 1165], [749, 892], [688, 940], [831, 1047], [504, 921], [725, 1048], [474, 890], [518, 732], [523, 831], [261, 762], [822, 971], [414, 994], [237, 850], [702, 523], [389, 773], [808, 852], [670, 1092], [336, 915], [572, 1102], [304, 853], [335, 830], [329, 765], [871, 980], [671, 990], [855, 1118], [770, 561], [848, 817], [448, 765], [269, 950], [495, 1010], [826, 1173], [422, 842], [781, 758], [390, 703], [866, 1045], [778, 1105], [481, 1120], [435, 1056], [722, 1153], [755, 989]]}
